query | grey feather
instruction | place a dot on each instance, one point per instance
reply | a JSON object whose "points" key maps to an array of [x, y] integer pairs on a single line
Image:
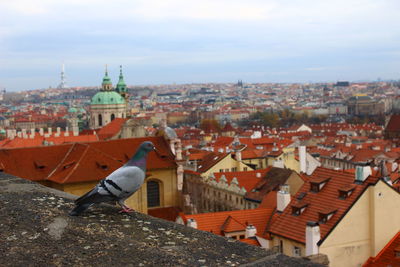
{"points": [[120, 184]]}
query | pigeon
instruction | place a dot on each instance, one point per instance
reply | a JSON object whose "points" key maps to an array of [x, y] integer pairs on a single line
{"points": [[120, 184]]}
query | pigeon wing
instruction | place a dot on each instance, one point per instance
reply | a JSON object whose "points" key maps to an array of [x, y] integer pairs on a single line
{"points": [[123, 182]]}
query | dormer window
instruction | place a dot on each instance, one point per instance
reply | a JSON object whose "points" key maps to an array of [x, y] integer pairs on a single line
{"points": [[298, 208], [102, 165], [39, 164], [397, 252], [68, 165], [346, 191], [316, 185], [324, 216]]}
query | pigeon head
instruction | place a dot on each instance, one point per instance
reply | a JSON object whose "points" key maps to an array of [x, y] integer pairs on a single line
{"points": [[147, 146]]}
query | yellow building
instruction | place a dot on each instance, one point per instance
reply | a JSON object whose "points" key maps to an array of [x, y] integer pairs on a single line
{"points": [[220, 162], [77, 168], [347, 217]]}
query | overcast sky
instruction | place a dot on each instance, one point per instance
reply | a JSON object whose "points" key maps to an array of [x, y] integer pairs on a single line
{"points": [[184, 41]]}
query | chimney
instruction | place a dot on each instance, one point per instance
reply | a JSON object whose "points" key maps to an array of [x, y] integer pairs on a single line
{"points": [[394, 166], [75, 130], [258, 175], [58, 131], [49, 130], [66, 133], [41, 132], [32, 133], [312, 237], [220, 150], [283, 198], [19, 134], [302, 159], [251, 231], [24, 135], [238, 155], [362, 172], [191, 223]]}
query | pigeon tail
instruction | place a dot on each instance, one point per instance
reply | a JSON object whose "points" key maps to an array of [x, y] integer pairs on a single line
{"points": [[79, 209]]}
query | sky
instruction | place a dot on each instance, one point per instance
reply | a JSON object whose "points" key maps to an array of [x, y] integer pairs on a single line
{"points": [[185, 41]]}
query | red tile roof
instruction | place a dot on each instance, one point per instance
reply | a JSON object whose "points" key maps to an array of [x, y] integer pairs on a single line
{"points": [[393, 124], [71, 163], [387, 256], [214, 222], [293, 227], [251, 241], [247, 179], [272, 179], [111, 129], [167, 213]]}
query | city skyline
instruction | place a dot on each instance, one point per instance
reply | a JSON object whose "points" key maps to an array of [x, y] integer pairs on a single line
{"points": [[164, 42]]}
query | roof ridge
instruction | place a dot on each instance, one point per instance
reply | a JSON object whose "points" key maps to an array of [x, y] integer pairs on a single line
{"points": [[61, 161], [77, 163]]}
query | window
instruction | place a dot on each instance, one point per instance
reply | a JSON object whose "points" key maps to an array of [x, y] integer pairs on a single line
{"points": [[112, 117], [100, 120], [153, 194], [221, 170], [280, 246], [296, 251], [227, 170], [346, 191], [324, 216], [245, 169], [397, 253], [241, 237], [314, 188]]}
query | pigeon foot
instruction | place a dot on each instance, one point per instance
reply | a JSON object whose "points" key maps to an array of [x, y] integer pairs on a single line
{"points": [[126, 210]]}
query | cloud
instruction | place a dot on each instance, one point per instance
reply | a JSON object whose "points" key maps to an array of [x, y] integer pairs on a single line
{"points": [[305, 38]]}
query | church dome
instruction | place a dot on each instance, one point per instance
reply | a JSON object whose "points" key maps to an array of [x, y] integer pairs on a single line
{"points": [[107, 98], [72, 110]]}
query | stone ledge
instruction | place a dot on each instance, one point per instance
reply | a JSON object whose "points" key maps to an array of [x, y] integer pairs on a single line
{"points": [[37, 231]]}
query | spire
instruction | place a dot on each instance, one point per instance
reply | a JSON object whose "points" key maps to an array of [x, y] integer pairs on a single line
{"points": [[63, 83], [121, 85], [106, 85]]}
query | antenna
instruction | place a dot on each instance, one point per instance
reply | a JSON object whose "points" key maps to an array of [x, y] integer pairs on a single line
{"points": [[63, 83]]}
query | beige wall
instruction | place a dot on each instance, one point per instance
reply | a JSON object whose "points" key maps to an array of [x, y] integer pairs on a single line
{"points": [[295, 182], [169, 195], [365, 229], [227, 163], [288, 245], [261, 163]]}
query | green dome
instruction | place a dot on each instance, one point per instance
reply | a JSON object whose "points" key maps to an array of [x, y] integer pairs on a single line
{"points": [[121, 85], [72, 110], [107, 98], [2, 131], [106, 79]]}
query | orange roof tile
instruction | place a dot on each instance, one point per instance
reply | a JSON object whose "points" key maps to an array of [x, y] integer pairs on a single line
{"points": [[251, 241], [273, 178], [111, 129], [247, 179], [71, 163], [167, 213], [293, 227], [232, 225], [387, 256], [213, 222]]}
